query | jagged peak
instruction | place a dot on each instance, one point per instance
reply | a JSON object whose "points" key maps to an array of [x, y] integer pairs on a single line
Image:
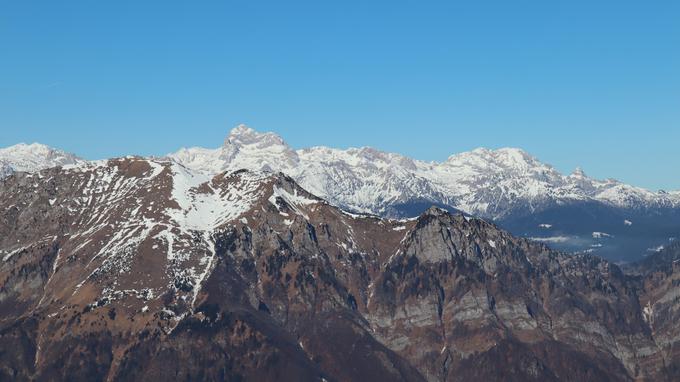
{"points": [[515, 159], [33, 157], [242, 128], [35, 148], [491, 154], [242, 135], [435, 211], [371, 180], [578, 173]]}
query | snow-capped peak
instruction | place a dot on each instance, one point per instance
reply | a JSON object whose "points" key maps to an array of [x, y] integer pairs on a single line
{"points": [[485, 182], [243, 148], [242, 129], [578, 173], [33, 157], [243, 135], [513, 159]]}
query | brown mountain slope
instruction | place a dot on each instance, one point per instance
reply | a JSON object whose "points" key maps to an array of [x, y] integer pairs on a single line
{"points": [[134, 269]]}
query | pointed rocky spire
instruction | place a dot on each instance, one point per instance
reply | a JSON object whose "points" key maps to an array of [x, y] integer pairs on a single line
{"points": [[238, 133], [264, 151], [243, 135], [578, 173]]}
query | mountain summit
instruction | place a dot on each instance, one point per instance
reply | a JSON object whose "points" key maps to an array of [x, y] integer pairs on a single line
{"points": [[483, 182], [33, 157], [507, 185], [243, 135], [243, 148]]}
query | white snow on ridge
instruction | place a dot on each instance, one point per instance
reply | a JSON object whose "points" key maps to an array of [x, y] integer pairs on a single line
{"points": [[487, 183], [209, 208], [33, 157], [179, 226], [295, 198], [7, 255]]}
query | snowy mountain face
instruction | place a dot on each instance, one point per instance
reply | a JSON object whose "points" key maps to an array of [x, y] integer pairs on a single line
{"points": [[33, 157], [503, 185], [488, 183], [508, 186]]}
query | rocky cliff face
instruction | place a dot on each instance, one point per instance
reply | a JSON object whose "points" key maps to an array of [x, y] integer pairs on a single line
{"points": [[137, 269], [659, 282]]}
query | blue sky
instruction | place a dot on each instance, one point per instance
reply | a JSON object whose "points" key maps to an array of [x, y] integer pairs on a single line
{"points": [[589, 83]]}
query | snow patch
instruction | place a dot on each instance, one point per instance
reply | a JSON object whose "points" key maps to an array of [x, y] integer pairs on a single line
{"points": [[648, 312], [294, 200], [208, 208]]}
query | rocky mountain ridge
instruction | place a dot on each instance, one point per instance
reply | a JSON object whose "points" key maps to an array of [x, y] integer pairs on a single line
{"points": [[482, 182], [33, 157], [508, 186], [486, 183], [531, 199], [133, 269]]}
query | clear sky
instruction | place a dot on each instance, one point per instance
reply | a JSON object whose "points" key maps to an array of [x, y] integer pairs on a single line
{"points": [[577, 83]]}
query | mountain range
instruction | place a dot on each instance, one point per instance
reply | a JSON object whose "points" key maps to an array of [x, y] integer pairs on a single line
{"points": [[147, 269], [491, 184], [507, 186], [33, 157]]}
